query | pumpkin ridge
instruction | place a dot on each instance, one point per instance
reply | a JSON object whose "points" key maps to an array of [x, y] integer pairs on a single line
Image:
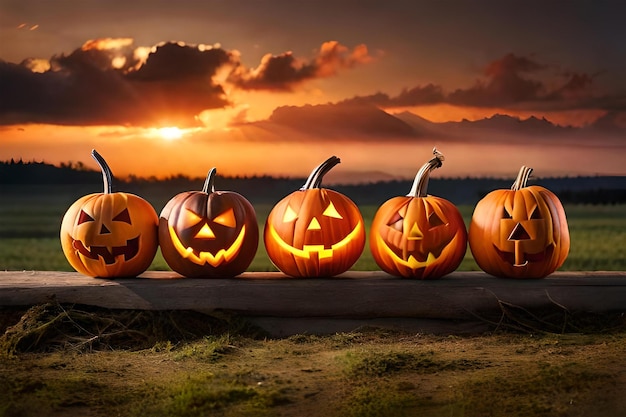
{"points": [[418, 235], [305, 237], [208, 233], [115, 237], [521, 232]]}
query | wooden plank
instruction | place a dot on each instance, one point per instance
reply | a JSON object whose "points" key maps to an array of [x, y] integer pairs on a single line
{"points": [[353, 295]]}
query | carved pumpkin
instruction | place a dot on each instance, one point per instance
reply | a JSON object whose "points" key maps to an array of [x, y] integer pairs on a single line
{"points": [[521, 232], [315, 232], [208, 233], [109, 234], [418, 235]]}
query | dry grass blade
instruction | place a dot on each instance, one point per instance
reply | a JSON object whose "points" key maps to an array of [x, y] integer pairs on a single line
{"points": [[54, 326], [554, 318]]}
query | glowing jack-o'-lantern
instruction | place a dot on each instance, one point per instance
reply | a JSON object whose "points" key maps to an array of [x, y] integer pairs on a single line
{"points": [[208, 233], [521, 232], [418, 235], [109, 234], [315, 232]]}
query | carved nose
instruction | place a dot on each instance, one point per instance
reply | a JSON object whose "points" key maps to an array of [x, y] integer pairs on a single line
{"points": [[415, 233], [314, 225], [519, 233], [205, 233], [104, 230]]}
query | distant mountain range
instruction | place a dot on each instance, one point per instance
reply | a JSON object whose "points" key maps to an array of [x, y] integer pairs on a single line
{"points": [[497, 122], [345, 118], [339, 119]]}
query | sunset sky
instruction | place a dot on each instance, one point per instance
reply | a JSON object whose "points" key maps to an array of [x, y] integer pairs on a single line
{"points": [[164, 87]]}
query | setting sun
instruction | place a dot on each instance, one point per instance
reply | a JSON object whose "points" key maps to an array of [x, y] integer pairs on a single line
{"points": [[170, 133]]}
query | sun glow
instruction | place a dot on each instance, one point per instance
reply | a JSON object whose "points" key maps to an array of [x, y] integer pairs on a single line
{"points": [[170, 133]]}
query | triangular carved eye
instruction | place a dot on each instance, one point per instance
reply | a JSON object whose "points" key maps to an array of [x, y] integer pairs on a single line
{"points": [[124, 216], [290, 215], [505, 214], [434, 220], [227, 218], [84, 218], [396, 222], [394, 218], [331, 211], [192, 218], [536, 214]]}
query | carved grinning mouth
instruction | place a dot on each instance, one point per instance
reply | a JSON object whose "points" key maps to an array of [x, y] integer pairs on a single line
{"points": [[411, 262], [129, 251], [202, 258], [321, 250], [509, 257]]}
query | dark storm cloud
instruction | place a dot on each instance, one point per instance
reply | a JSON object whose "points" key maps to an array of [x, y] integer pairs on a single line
{"points": [[108, 81], [76, 92], [514, 82], [576, 85], [284, 71], [507, 83], [173, 62], [276, 72], [422, 95], [85, 87]]}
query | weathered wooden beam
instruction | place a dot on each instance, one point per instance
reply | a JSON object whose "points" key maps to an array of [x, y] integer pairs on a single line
{"points": [[353, 295]]}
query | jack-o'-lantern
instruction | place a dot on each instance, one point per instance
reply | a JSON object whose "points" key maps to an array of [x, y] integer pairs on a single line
{"points": [[109, 234], [521, 232], [315, 231], [208, 233], [418, 235]]}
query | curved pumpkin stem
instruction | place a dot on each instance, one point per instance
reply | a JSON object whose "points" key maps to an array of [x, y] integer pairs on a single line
{"points": [[315, 179], [420, 184], [107, 175], [209, 186], [522, 178]]}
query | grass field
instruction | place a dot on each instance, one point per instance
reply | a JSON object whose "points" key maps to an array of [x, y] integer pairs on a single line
{"points": [[365, 374], [30, 218], [79, 361]]}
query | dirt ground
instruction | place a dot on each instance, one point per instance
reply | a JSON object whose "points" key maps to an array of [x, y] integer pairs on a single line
{"points": [[374, 372]]}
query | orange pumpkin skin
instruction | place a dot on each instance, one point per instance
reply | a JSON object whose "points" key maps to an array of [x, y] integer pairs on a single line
{"points": [[519, 233], [208, 234], [418, 235], [314, 232], [109, 235]]}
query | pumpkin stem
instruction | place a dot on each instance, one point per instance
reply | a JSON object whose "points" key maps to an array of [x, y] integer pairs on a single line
{"points": [[522, 178], [209, 186], [420, 184], [107, 175], [315, 179]]}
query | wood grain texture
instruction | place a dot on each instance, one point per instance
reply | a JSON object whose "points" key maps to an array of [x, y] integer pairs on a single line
{"points": [[352, 295], [459, 303]]}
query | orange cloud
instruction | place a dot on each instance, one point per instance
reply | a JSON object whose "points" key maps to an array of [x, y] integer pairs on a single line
{"points": [[513, 83], [283, 72], [334, 56], [109, 81]]}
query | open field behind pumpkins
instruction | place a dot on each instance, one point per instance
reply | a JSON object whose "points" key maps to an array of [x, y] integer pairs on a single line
{"points": [[76, 360], [30, 218]]}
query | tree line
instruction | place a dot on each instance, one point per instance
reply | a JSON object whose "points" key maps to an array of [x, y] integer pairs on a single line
{"points": [[574, 190]]}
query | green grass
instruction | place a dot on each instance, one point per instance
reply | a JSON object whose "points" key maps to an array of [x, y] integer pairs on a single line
{"points": [[30, 220], [372, 373]]}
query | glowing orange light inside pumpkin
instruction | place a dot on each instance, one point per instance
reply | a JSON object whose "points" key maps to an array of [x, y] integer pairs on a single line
{"points": [[411, 261], [307, 250], [223, 255]]}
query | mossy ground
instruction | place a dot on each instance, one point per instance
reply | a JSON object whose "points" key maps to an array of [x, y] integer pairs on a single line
{"points": [[70, 361]]}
